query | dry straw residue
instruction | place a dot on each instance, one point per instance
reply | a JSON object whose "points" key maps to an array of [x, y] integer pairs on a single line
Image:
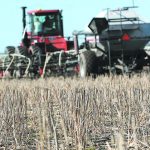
{"points": [[58, 114]]}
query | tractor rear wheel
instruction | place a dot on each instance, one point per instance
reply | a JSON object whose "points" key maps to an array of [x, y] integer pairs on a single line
{"points": [[88, 64], [10, 50], [21, 62], [22, 50]]}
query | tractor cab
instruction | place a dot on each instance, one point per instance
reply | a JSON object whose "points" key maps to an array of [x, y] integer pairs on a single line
{"points": [[45, 30], [45, 23], [43, 50]]}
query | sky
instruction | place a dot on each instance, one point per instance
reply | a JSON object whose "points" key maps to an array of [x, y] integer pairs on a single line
{"points": [[76, 14]]}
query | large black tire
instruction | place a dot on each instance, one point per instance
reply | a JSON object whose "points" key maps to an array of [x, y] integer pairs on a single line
{"points": [[20, 62], [10, 50], [88, 64], [22, 50], [36, 55], [36, 60], [34, 49]]}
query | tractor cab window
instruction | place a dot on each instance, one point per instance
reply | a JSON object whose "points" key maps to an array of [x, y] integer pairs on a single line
{"points": [[46, 24], [49, 24], [37, 26]]}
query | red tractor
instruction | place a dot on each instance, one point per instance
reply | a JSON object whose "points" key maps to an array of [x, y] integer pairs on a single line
{"points": [[44, 49]]}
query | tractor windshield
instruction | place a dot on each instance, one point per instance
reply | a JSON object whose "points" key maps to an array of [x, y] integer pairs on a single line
{"points": [[46, 24]]}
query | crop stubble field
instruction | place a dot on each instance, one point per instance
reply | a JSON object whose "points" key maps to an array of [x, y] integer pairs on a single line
{"points": [[75, 114]]}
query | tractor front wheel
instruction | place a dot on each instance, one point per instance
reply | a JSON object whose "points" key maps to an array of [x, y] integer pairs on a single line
{"points": [[36, 58]]}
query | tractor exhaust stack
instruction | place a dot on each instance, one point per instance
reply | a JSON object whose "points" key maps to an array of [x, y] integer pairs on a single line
{"points": [[24, 17]]}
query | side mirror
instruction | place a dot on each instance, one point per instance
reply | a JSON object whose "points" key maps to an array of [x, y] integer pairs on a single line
{"points": [[97, 25]]}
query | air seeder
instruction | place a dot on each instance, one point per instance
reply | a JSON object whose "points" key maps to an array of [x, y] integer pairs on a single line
{"points": [[120, 43]]}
